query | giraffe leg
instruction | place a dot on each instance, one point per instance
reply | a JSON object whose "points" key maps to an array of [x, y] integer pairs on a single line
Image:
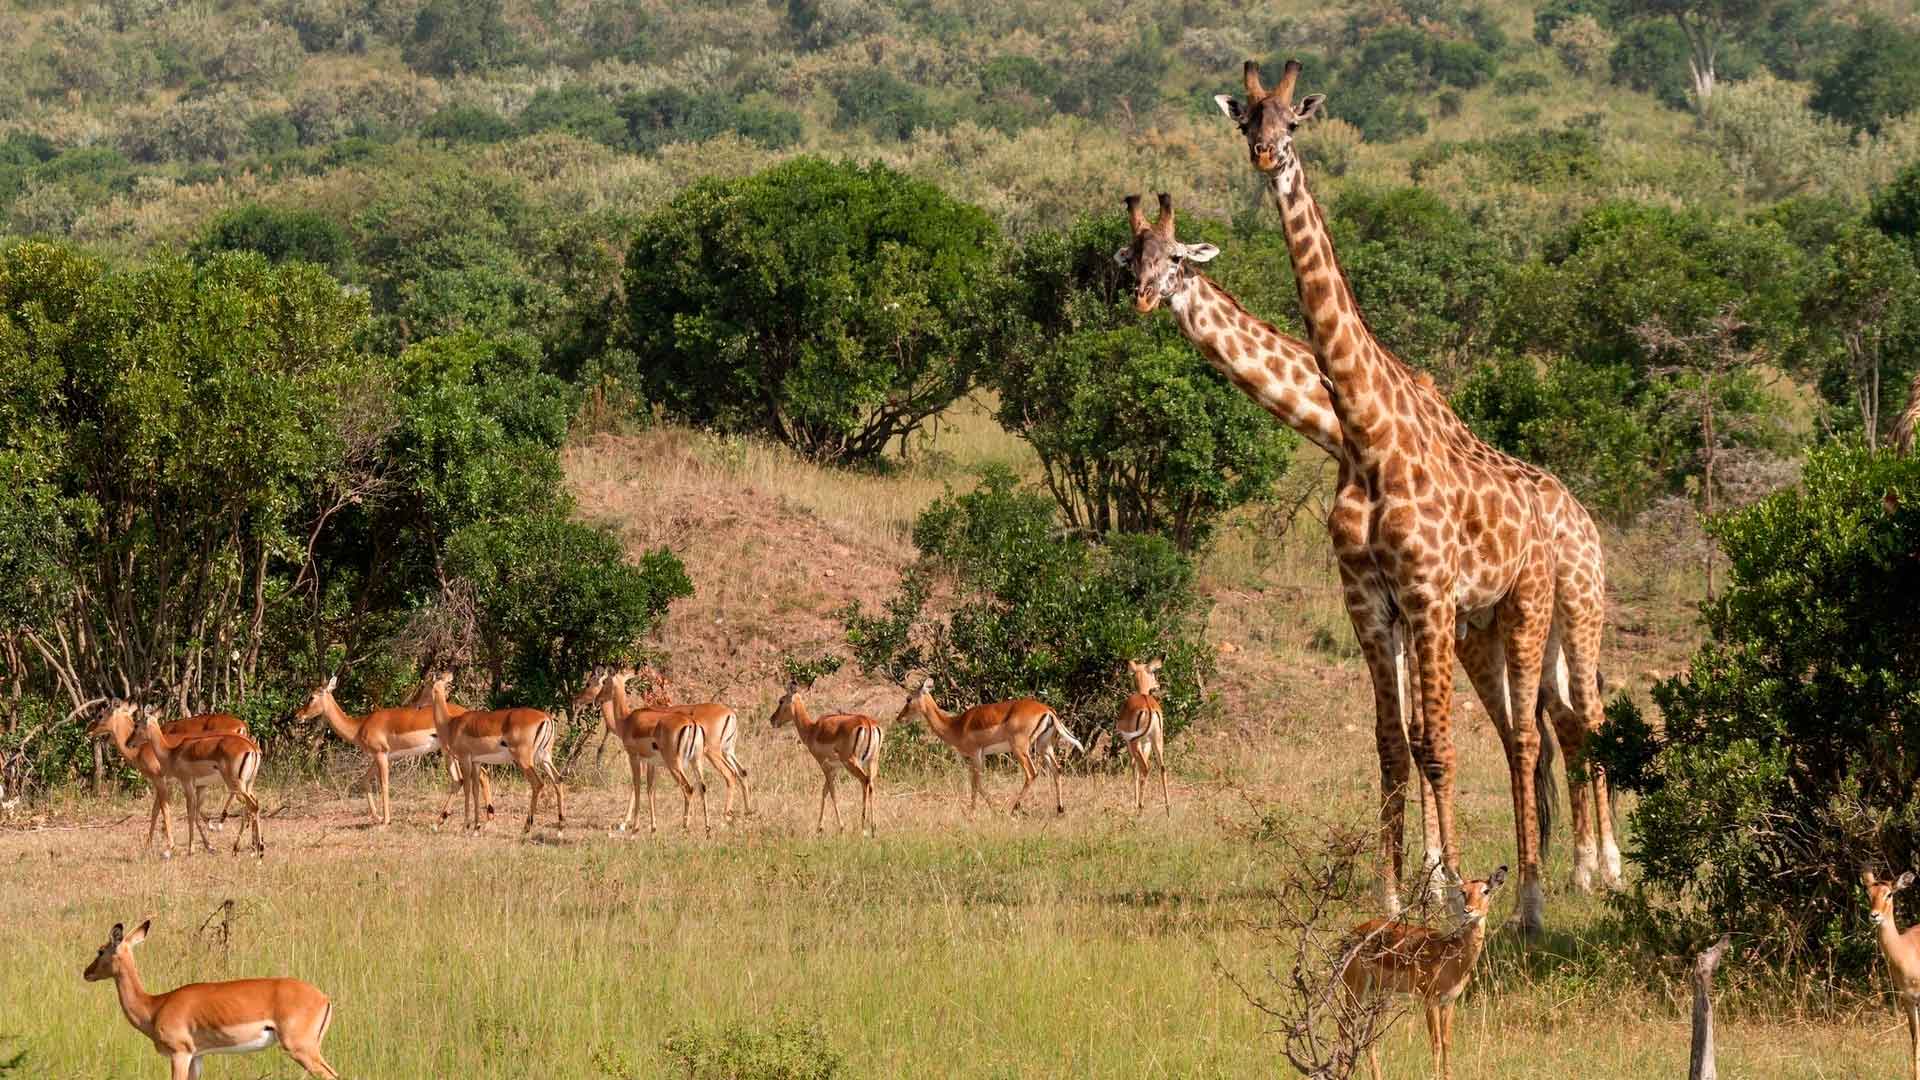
{"points": [[1373, 628], [1430, 623], [1432, 883], [1571, 730], [1525, 619], [1581, 639]]}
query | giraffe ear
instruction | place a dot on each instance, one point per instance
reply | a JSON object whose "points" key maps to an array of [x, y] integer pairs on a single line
{"points": [[1308, 108], [1230, 105], [1198, 252]]}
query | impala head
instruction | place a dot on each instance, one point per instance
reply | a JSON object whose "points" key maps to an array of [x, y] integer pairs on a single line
{"points": [[1880, 895], [440, 684], [146, 723], [1144, 675], [590, 690], [917, 700], [1268, 119], [1158, 261], [1477, 895], [316, 701], [783, 712], [116, 716], [117, 951]]}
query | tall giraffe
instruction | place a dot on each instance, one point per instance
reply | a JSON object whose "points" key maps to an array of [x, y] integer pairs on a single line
{"points": [[1458, 533], [1281, 374]]}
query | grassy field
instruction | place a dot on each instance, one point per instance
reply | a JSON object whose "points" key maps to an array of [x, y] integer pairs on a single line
{"points": [[1096, 944]]}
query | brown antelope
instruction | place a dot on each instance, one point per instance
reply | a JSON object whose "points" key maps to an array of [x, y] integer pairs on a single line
{"points": [[849, 739], [189, 1022], [654, 738], [117, 723], [720, 730], [1391, 957], [192, 758], [1142, 728], [1022, 727], [387, 736], [484, 737], [1903, 953]]}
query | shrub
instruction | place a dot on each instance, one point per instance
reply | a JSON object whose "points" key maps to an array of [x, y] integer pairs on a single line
{"points": [[1521, 83], [1780, 768], [832, 307], [214, 127], [1419, 270], [454, 37], [577, 110], [1038, 614], [1876, 80], [792, 1049], [1550, 16], [1896, 208], [263, 56], [272, 133], [1133, 75], [1544, 158], [1583, 44], [1580, 422], [467, 123], [1652, 57], [885, 104], [280, 235]]}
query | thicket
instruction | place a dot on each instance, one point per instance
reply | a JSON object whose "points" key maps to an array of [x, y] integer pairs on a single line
{"points": [[1782, 765]]}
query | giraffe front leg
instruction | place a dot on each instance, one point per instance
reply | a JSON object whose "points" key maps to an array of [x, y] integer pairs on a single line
{"points": [[1430, 623], [1368, 609]]}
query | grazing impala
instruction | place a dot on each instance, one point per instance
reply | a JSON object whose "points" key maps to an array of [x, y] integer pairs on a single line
{"points": [[117, 723], [1902, 950], [192, 758], [1142, 728], [1391, 957], [849, 739], [238, 1017], [387, 736], [654, 738], [1022, 727], [482, 737]]}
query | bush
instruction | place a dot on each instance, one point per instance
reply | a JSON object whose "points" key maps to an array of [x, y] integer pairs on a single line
{"points": [[280, 235], [1547, 158], [1038, 614], [467, 123], [1877, 79], [1583, 44], [456, 37], [885, 104], [1579, 422], [832, 307], [792, 1049], [1419, 270], [1521, 83], [1781, 768], [1652, 57], [1896, 208], [576, 109]]}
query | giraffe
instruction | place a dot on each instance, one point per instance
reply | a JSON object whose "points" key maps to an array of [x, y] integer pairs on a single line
{"points": [[1459, 533], [1280, 373]]}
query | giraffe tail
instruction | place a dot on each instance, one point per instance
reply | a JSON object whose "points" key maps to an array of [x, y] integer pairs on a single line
{"points": [[1546, 780]]}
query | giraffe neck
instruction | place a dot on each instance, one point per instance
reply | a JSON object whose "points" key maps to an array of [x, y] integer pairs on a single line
{"points": [[1274, 370], [1363, 377]]}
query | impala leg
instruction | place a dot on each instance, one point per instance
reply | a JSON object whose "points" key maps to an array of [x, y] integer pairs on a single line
{"points": [[1432, 1014], [653, 823], [559, 796], [1160, 753], [184, 1065], [1025, 758], [740, 774], [631, 823], [718, 761], [1373, 1061], [1446, 1040], [308, 1058], [226, 808], [155, 810], [1053, 767], [974, 765], [367, 785], [383, 767], [1913, 1035], [486, 790], [535, 785], [195, 820], [866, 792], [826, 790], [1140, 768]]}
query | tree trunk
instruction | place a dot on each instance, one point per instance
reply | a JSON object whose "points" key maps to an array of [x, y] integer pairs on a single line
{"points": [[1700, 1063]]}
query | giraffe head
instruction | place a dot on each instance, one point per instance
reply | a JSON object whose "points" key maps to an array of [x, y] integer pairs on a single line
{"points": [[1158, 261], [1268, 119]]}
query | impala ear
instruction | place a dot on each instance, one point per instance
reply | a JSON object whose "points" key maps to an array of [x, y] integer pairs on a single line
{"points": [[1906, 879], [1156, 663], [113, 936], [332, 681], [1124, 256], [1869, 879], [1498, 879], [139, 934], [926, 686]]}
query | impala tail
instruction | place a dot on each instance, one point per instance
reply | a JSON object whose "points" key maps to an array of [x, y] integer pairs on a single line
{"points": [[249, 768], [1051, 723], [692, 743], [866, 747], [543, 740], [729, 731]]}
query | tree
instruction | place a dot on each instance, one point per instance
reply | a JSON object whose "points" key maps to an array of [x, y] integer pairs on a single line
{"points": [[830, 306], [1876, 80], [280, 235], [1582, 422], [457, 37], [1037, 613], [1865, 308], [1783, 760], [1706, 24], [1896, 208]]}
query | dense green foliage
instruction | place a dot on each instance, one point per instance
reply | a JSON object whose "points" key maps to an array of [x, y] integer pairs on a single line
{"points": [[280, 235], [1782, 767], [832, 307], [1038, 614], [1133, 433]]}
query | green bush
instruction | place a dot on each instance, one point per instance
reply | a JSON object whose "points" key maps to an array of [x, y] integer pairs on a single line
{"points": [[885, 104], [1896, 208], [280, 235], [1781, 767], [791, 1049], [576, 109], [1876, 80], [455, 37], [1547, 158], [1036, 613], [832, 307], [468, 123], [1521, 83], [1421, 272], [1580, 422]]}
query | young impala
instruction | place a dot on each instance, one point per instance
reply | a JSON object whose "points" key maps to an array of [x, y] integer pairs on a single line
{"points": [[1902, 951], [848, 739], [482, 737], [193, 758], [117, 722], [1022, 727], [653, 738], [387, 736], [1391, 957], [189, 1022], [1142, 728]]}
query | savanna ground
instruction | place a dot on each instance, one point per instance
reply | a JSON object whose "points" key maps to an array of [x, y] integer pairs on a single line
{"points": [[1099, 943]]}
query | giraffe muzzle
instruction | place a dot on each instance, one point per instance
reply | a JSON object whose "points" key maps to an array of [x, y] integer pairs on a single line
{"points": [[1144, 301]]}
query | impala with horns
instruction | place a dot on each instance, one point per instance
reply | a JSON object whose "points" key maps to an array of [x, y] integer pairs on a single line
{"points": [[851, 740], [1023, 727], [522, 736], [189, 1022], [191, 759], [653, 738], [1142, 729], [1391, 957], [117, 722], [387, 736]]}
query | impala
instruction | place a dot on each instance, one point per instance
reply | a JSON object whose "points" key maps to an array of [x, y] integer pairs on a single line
{"points": [[387, 736], [1142, 728], [238, 1017], [484, 737], [1902, 950], [654, 738], [1391, 957], [848, 739], [720, 730], [193, 758], [117, 722], [1022, 727]]}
